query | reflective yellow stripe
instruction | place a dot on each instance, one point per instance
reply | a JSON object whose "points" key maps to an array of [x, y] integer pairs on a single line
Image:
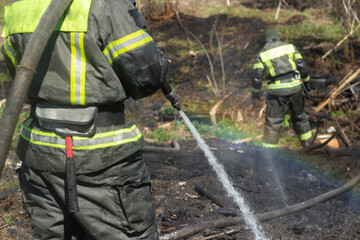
{"points": [[298, 56], [108, 134], [306, 136], [83, 70], [24, 16], [135, 45], [73, 69], [78, 69], [258, 65], [279, 85], [277, 52], [125, 44], [100, 140], [306, 79], [121, 40], [268, 145], [111, 144], [10, 52], [42, 143], [291, 56], [271, 68]]}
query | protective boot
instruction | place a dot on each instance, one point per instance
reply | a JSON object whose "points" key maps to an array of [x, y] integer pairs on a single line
{"points": [[306, 143]]}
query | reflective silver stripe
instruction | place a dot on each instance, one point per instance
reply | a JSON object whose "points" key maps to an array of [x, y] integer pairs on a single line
{"points": [[100, 140], [298, 56], [258, 65], [78, 69], [306, 135], [279, 85], [104, 140]]}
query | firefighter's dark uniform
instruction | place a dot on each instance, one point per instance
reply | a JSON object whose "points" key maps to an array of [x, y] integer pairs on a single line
{"points": [[77, 113], [279, 61]]}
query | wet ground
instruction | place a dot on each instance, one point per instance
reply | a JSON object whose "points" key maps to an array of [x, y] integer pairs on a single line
{"points": [[268, 180]]}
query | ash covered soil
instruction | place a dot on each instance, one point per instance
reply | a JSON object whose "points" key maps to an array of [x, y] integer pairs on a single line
{"points": [[267, 179]]}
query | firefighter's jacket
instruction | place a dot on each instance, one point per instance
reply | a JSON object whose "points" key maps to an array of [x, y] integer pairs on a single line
{"points": [[278, 61], [96, 46]]}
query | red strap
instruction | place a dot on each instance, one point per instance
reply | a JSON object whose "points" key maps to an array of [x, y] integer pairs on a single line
{"points": [[68, 144]]}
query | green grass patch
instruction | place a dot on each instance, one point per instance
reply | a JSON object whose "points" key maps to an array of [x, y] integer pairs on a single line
{"points": [[8, 185]]}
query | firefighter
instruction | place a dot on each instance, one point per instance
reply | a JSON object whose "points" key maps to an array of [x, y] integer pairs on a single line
{"points": [[285, 70], [83, 173]]}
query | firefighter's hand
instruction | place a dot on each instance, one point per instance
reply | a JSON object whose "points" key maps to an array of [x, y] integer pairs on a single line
{"points": [[174, 100], [307, 86]]}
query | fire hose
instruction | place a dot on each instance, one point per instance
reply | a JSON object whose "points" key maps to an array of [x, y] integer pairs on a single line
{"points": [[25, 73], [187, 231]]}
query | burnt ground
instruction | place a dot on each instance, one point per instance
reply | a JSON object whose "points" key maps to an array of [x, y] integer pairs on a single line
{"points": [[267, 179]]}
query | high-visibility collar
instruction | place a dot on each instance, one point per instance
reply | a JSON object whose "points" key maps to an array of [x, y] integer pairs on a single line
{"points": [[24, 16]]}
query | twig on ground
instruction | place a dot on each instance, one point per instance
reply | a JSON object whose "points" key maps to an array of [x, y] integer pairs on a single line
{"points": [[202, 45], [337, 91], [216, 106], [278, 10], [264, 216]]}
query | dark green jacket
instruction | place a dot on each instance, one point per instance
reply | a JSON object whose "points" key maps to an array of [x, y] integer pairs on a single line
{"points": [[278, 61], [97, 46]]}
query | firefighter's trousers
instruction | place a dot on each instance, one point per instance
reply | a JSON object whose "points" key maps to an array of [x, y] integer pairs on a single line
{"points": [[112, 205], [276, 109]]}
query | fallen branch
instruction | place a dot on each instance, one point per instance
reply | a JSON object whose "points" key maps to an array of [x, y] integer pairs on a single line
{"points": [[175, 147], [337, 91], [216, 106], [263, 216], [343, 135], [340, 42], [326, 116], [278, 10], [247, 139], [202, 45]]}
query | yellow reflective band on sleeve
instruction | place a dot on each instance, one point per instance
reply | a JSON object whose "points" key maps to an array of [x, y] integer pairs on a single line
{"points": [[125, 44], [24, 16], [281, 85], [258, 65], [306, 79], [10, 52], [277, 52], [298, 56], [78, 69], [100, 140], [305, 136]]}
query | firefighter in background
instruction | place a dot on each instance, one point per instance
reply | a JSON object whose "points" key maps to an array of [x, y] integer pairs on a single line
{"points": [[282, 64], [83, 173]]}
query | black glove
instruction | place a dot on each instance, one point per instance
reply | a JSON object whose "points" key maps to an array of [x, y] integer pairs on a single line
{"points": [[173, 100], [307, 86]]}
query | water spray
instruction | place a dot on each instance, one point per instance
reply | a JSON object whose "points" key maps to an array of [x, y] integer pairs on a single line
{"points": [[249, 217]]}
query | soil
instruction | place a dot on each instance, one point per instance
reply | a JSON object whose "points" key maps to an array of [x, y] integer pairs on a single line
{"points": [[267, 179]]}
